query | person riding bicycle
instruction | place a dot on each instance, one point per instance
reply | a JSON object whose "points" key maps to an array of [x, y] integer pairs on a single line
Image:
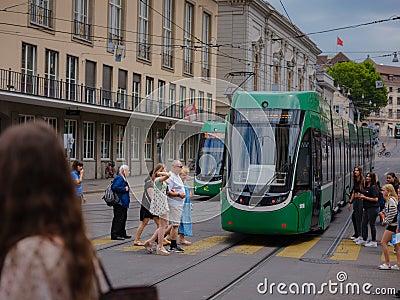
{"points": [[383, 148]]}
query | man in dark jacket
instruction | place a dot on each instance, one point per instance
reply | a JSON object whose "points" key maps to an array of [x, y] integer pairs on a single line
{"points": [[121, 187]]}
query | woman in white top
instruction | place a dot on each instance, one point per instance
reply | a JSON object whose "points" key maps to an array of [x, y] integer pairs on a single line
{"points": [[390, 220], [159, 207]]}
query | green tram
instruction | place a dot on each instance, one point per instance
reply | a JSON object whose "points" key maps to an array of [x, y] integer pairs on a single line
{"points": [[289, 162], [208, 164]]}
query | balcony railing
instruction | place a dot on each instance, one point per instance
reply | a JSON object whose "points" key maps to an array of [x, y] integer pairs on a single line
{"points": [[40, 15], [82, 30], [35, 85]]}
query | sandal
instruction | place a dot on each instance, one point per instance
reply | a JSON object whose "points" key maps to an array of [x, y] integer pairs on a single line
{"points": [[185, 242], [166, 242], [162, 251], [138, 243], [149, 246]]}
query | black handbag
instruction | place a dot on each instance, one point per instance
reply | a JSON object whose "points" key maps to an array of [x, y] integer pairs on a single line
{"points": [[127, 293]]}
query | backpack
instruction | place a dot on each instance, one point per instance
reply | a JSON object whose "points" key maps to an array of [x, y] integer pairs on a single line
{"points": [[110, 197]]}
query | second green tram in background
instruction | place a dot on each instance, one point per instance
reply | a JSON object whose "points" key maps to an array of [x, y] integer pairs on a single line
{"points": [[208, 165]]}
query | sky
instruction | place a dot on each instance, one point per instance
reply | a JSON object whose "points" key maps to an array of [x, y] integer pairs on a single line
{"points": [[376, 39]]}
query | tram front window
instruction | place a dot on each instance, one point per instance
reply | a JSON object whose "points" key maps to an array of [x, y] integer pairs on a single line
{"points": [[262, 148], [211, 154]]}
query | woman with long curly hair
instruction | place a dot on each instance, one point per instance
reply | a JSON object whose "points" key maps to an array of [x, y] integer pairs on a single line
{"points": [[44, 250]]}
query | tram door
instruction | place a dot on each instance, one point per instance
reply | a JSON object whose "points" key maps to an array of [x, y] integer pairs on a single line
{"points": [[316, 177]]}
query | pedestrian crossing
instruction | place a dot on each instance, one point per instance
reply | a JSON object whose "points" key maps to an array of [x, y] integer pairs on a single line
{"points": [[346, 251]]}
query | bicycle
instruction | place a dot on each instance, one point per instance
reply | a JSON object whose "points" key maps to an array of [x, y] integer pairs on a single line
{"points": [[384, 152]]}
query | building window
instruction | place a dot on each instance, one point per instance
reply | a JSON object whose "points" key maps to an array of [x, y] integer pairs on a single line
{"points": [[172, 107], [51, 73], [122, 94], [120, 142], [398, 101], [40, 12], [88, 140], [182, 98], [161, 96], [71, 87], [275, 79], [190, 147], [171, 142], [205, 54], [105, 141], [81, 19], [390, 100], [187, 40], [209, 106], [90, 79], [200, 106], [167, 34], [115, 21], [106, 92], [135, 143], [192, 96], [28, 69], [144, 47], [301, 82], [390, 113], [289, 80], [181, 143], [136, 90], [148, 144], [22, 119], [398, 114], [52, 122], [149, 94], [70, 129], [390, 88]]}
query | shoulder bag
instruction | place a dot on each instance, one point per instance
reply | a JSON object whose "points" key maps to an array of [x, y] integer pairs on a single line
{"points": [[127, 293]]}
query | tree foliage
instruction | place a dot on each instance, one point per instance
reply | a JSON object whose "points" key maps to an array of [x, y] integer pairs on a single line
{"points": [[358, 80]]}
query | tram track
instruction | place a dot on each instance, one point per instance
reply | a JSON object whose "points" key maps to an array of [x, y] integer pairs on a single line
{"points": [[209, 259]]}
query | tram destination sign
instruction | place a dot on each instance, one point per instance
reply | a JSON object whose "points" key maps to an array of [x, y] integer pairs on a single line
{"points": [[275, 116]]}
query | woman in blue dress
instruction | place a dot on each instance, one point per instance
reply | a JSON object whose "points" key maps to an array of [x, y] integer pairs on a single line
{"points": [[185, 228]]}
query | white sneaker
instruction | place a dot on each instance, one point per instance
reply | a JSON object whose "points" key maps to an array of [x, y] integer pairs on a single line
{"points": [[357, 240], [353, 237], [395, 267], [384, 267], [361, 242], [371, 244], [390, 244]]}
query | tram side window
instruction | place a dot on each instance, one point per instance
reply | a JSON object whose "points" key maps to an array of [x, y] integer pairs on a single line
{"points": [[326, 147], [338, 158], [347, 157], [303, 163]]}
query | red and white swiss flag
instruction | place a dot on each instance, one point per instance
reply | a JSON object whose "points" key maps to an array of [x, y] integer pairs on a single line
{"points": [[339, 42], [190, 112]]}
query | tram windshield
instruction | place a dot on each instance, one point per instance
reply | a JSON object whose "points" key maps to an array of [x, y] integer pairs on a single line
{"points": [[262, 148], [211, 150]]}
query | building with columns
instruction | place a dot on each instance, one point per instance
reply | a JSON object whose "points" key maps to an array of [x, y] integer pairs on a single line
{"points": [[389, 116], [111, 76], [254, 37]]}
